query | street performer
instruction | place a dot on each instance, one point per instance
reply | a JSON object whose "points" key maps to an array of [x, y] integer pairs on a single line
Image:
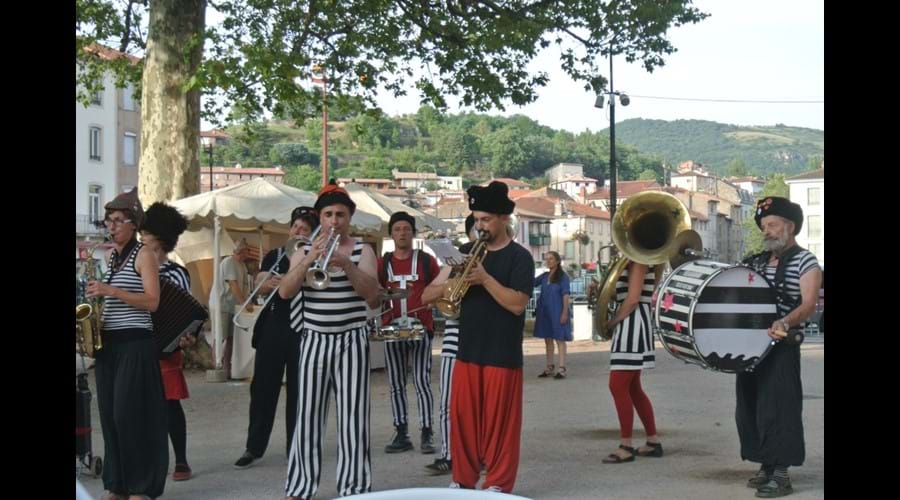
{"points": [[486, 398], [770, 398], [334, 351], [413, 270]]}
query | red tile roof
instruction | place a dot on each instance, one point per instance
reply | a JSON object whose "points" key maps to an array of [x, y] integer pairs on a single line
{"points": [[512, 183], [624, 188], [108, 54], [815, 174]]}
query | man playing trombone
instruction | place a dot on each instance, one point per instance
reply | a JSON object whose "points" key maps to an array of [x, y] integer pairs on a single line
{"points": [[338, 276], [276, 338]]}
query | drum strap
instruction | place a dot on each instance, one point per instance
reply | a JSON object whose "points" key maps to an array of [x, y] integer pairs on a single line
{"points": [[761, 260]]}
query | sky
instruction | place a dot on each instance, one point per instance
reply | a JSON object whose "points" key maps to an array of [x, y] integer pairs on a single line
{"points": [[745, 50], [756, 50]]}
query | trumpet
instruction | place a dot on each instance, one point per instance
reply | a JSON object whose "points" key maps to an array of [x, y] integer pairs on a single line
{"points": [[450, 303], [317, 275], [289, 248]]}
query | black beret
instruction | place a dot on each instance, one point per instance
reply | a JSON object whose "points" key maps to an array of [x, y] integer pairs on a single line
{"points": [[783, 207], [399, 216], [494, 198]]}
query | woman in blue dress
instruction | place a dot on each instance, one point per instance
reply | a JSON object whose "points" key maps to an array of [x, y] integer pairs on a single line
{"points": [[553, 319]]}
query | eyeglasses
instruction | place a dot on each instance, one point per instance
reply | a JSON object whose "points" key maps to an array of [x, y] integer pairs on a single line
{"points": [[116, 222]]}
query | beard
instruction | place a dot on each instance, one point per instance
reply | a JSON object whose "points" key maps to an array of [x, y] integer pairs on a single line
{"points": [[778, 244]]}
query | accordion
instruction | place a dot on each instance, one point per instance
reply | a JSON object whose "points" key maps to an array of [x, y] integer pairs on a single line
{"points": [[178, 314]]}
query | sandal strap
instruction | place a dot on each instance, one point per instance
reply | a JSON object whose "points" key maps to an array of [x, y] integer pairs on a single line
{"points": [[629, 449]]}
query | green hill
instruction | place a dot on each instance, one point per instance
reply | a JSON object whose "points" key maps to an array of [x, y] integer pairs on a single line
{"points": [[763, 150]]}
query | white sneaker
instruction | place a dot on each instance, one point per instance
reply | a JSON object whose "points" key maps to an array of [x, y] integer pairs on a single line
{"points": [[495, 489], [454, 485]]}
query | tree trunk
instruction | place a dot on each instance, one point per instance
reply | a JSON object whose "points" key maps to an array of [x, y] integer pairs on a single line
{"points": [[170, 117]]}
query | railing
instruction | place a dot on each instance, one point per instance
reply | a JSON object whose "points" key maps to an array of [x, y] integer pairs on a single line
{"points": [[83, 225], [537, 240]]}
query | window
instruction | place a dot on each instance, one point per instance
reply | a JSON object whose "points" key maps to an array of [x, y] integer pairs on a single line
{"points": [[95, 199], [814, 226], [97, 99], [570, 250], [816, 249], [812, 196], [128, 146], [128, 98], [94, 148], [591, 227]]}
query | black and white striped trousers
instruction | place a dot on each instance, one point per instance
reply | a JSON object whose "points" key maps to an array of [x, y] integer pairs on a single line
{"points": [[446, 378], [339, 364], [396, 358]]}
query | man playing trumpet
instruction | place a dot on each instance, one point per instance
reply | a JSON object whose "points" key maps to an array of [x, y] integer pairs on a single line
{"points": [[486, 398], [334, 349]]}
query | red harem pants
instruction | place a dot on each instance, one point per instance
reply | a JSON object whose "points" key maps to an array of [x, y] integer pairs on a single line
{"points": [[486, 423]]}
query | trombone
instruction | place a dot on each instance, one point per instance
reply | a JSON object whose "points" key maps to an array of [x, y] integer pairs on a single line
{"points": [[290, 247]]}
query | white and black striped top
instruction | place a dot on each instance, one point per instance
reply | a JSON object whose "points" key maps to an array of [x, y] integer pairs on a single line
{"points": [[801, 263], [117, 315], [646, 291], [176, 274], [338, 308], [451, 338]]}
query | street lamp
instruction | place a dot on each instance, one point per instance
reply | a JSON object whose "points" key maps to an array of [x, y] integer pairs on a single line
{"points": [[209, 149], [319, 78], [598, 103]]}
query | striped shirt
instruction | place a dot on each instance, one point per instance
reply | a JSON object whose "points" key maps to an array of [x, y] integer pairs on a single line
{"points": [[632, 342], [117, 315], [176, 274], [451, 338], [801, 263], [646, 291], [337, 308]]}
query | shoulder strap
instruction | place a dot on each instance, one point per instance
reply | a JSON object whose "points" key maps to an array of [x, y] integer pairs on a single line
{"points": [[425, 265], [385, 262]]}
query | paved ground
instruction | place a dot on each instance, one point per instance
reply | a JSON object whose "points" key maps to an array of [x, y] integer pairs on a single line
{"points": [[569, 425]]}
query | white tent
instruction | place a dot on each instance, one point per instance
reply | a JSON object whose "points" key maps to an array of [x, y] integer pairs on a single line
{"points": [[383, 206], [256, 206]]}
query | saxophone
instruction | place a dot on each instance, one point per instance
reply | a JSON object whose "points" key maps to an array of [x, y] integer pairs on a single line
{"points": [[449, 304], [88, 323]]}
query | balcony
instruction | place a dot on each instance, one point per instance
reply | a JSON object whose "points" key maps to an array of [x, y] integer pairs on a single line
{"points": [[539, 240], [83, 225]]}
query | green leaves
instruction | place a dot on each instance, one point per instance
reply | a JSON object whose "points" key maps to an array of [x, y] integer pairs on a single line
{"points": [[260, 57]]}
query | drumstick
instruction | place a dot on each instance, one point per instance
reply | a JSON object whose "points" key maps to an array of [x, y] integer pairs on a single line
{"points": [[407, 312]]}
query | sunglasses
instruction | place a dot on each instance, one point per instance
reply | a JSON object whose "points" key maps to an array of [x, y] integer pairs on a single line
{"points": [[303, 211]]}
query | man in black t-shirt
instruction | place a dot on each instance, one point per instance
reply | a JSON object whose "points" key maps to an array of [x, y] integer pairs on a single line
{"points": [[486, 395]]}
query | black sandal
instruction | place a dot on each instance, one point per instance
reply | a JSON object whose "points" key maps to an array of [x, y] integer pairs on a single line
{"points": [[657, 450], [546, 373], [612, 458], [561, 374]]}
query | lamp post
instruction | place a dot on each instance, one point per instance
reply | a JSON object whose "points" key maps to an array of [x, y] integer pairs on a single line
{"points": [[317, 69], [598, 103], [209, 148]]}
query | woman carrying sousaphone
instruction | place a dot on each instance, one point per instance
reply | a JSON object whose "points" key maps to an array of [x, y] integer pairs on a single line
{"points": [[130, 395]]}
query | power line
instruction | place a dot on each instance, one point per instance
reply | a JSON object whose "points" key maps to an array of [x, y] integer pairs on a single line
{"points": [[753, 101]]}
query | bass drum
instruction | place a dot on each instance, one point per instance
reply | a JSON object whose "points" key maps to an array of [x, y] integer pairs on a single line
{"points": [[716, 315]]}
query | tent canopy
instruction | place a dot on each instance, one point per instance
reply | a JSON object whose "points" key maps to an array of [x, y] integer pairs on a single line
{"points": [[383, 206], [257, 205]]}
